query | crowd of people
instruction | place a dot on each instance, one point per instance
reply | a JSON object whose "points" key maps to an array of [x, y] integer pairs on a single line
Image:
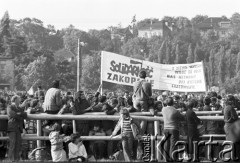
{"points": [[178, 111]]}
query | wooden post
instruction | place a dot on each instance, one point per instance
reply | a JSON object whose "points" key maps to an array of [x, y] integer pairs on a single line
{"points": [[39, 132], [157, 133]]}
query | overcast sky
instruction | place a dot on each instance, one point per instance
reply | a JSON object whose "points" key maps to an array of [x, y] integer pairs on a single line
{"points": [[99, 14]]}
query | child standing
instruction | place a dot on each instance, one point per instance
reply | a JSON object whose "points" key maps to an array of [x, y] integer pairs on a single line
{"points": [[77, 151], [57, 151], [129, 130]]}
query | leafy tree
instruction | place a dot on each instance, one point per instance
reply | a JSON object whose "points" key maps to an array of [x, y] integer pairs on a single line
{"points": [[190, 57], [161, 53], [134, 48], [221, 66], [211, 68], [5, 36], [35, 73], [91, 71], [168, 54], [177, 60], [198, 19], [196, 54], [65, 72], [238, 63]]}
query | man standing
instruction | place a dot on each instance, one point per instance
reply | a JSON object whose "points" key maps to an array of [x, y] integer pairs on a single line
{"points": [[142, 91], [16, 117], [171, 118]]}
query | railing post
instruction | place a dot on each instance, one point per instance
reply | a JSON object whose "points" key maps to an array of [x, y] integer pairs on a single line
{"points": [[157, 133], [74, 126], [39, 132]]}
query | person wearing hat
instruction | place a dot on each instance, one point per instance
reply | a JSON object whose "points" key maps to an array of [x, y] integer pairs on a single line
{"points": [[129, 130]]}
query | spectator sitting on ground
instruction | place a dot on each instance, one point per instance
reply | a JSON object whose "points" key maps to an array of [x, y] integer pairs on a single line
{"points": [[77, 151], [97, 147]]}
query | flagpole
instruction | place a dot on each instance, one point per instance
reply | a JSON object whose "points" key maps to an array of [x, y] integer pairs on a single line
{"points": [[101, 82]]}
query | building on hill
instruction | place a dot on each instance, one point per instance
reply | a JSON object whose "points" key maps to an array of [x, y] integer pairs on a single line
{"points": [[64, 54], [159, 28], [121, 33], [220, 25]]}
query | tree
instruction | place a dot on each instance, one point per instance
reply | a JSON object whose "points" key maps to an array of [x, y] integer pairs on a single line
{"points": [[65, 72], [211, 68], [190, 57], [91, 72], [177, 53], [196, 54], [41, 71], [168, 54], [235, 19], [5, 37], [135, 48], [238, 63], [221, 66], [198, 19], [161, 53]]}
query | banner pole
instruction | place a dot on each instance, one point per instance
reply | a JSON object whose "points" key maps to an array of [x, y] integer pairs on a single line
{"points": [[204, 77]]}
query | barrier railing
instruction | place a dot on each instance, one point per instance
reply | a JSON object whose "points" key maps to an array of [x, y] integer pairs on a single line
{"points": [[102, 116]]}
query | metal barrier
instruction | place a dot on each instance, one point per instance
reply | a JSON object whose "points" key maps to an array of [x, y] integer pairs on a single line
{"points": [[102, 116]]}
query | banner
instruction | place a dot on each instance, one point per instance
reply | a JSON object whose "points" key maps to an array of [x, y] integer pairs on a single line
{"points": [[176, 77]]}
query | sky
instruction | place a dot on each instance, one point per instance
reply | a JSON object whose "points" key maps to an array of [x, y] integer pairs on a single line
{"points": [[100, 14]]}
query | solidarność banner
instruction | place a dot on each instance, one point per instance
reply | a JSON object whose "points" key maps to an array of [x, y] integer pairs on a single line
{"points": [[124, 70]]}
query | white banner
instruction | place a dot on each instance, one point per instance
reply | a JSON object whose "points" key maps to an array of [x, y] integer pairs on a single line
{"points": [[178, 77]]}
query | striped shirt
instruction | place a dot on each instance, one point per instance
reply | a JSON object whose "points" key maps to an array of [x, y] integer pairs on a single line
{"points": [[126, 126]]}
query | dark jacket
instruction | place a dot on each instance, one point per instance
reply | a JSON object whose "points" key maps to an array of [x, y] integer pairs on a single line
{"points": [[16, 115], [144, 91], [230, 116], [192, 119], [109, 110]]}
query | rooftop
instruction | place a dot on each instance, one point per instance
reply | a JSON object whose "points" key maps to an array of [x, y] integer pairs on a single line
{"points": [[212, 22], [155, 26]]}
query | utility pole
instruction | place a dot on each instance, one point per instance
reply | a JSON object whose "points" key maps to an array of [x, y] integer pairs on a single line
{"points": [[79, 72], [79, 66]]}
